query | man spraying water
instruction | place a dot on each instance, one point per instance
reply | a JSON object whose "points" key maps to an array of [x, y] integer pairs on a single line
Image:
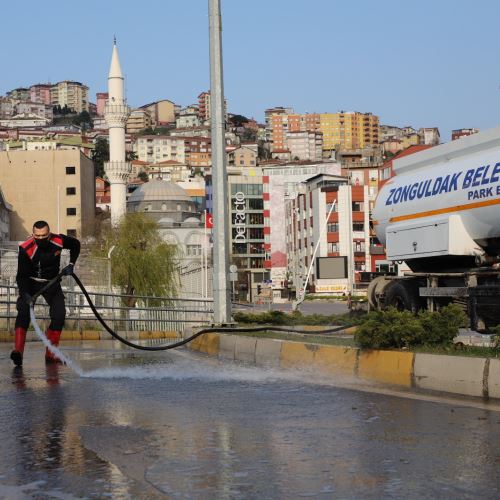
{"points": [[38, 262]]}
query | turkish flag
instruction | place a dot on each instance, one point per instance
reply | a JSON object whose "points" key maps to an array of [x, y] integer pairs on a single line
{"points": [[209, 221]]}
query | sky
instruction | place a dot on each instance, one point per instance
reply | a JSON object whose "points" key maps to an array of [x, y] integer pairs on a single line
{"points": [[427, 64]]}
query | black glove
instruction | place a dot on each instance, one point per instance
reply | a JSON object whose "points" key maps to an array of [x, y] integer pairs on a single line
{"points": [[68, 270], [27, 297]]}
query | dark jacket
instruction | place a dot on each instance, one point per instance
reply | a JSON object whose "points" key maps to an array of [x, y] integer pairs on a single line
{"points": [[44, 263]]}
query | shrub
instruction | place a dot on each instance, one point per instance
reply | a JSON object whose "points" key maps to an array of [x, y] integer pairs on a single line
{"points": [[440, 327], [395, 329], [391, 328]]}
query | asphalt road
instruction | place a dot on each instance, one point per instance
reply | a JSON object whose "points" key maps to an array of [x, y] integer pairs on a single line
{"points": [[178, 425]]}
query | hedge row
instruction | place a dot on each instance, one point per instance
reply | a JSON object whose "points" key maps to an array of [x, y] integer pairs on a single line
{"points": [[398, 329]]}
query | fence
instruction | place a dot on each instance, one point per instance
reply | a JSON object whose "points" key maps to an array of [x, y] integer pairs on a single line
{"points": [[148, 313]]}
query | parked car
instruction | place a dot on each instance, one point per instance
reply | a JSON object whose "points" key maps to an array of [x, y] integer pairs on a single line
{"points": [[467, 337]]}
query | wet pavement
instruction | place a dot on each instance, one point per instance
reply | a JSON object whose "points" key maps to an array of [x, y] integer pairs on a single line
{"points": [[178, 425]]}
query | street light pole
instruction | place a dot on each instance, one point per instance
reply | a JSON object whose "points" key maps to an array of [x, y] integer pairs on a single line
{"points": [[221, 290], [110, 284]]}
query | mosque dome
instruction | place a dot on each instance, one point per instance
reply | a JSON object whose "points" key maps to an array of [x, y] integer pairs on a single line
{"points": [[158, 190]]}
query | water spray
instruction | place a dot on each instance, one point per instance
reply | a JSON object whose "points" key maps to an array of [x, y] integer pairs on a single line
{"points": [[171, 345]]}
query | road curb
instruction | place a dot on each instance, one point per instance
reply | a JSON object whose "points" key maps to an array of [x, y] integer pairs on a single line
{"points": [[479, 377]]}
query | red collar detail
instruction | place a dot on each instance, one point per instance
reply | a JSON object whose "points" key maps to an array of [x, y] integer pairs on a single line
{"points": [[29, 246]]}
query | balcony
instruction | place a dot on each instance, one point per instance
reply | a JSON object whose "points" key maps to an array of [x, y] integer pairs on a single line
{"points": [[377, 250]]}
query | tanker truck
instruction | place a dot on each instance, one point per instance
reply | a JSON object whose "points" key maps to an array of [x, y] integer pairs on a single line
{"points": [[440, 215]]}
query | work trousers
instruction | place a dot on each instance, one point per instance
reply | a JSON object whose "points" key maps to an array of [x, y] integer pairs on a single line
{"points": [[55, 299]]}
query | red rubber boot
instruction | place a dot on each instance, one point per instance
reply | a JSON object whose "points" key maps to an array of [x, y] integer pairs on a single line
{"points": [[19, 340], [53, 336]]}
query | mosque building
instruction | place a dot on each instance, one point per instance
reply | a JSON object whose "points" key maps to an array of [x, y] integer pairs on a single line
{"points": [[181, 223]]}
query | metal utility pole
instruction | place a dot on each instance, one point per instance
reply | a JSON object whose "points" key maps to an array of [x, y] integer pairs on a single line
{"points": [[221, 290]]}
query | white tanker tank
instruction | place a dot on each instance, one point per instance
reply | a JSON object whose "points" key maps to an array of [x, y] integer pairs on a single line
{"points": [[441, 211]]}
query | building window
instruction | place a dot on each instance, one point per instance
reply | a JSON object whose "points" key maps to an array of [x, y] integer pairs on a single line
{"points": [[71, 211], [193, 250], [333, 227], [70, 170], [71, 232], [70, 191], [358, 206], [359, 246], [333, 247], [358, 226]]}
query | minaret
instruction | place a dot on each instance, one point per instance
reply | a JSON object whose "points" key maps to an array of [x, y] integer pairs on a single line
{"points": [[116, 113]]}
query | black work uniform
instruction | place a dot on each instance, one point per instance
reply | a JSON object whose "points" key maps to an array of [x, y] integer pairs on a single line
{"points": [[35, 266]]}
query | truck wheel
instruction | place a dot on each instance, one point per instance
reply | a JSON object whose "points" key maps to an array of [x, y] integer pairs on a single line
{"points": [[374, 289], [402, 295]]}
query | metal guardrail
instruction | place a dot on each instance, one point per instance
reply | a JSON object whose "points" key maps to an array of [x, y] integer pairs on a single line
{"points": [[148, 313]]}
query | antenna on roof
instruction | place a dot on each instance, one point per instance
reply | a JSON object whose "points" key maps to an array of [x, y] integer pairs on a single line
{"points": [[114, 39]]}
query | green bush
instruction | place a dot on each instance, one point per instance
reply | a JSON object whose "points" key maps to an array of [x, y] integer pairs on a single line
{"points": [[395, 329], [440, 327], [391, 328]]}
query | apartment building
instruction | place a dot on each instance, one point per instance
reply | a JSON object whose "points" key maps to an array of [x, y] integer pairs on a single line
{"points": [[245, 155], [19, 94], [349, 130], [101, 98], [35, 108], [463, 132], [204, 111], [158, 148], [306, 145], [138, 120], [346, 239], [198, 152], [429, 136], [162, 112], [72, 94], [61, 190], [40, 92], [187, 120]]}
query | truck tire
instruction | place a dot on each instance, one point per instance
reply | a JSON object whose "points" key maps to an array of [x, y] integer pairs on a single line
{"points": [[375, 288], [402, 295]]}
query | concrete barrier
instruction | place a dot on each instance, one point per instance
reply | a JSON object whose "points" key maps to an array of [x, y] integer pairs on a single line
{"points": [[227, 346], [207, 343], [244, 349], [335, 360], [390, 367], [297, 355], [494, 379], [455, 374], [267, 353]]}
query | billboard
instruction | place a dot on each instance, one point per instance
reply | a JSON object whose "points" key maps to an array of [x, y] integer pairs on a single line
{"points": [[331, 268]]}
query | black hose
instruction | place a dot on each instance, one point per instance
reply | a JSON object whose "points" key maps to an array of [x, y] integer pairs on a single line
{"points": [[180, 343]]}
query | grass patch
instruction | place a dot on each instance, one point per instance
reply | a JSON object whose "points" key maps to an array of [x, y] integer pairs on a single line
{"points": [[296, 318], [450, 350], [301, 337]]}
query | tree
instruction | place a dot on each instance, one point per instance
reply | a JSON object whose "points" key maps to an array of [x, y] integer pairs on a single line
{"points": [[130, 155], [142, 262], [83, 120], [249, 135], [143, 176], [238, 120], [100, 155]]}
